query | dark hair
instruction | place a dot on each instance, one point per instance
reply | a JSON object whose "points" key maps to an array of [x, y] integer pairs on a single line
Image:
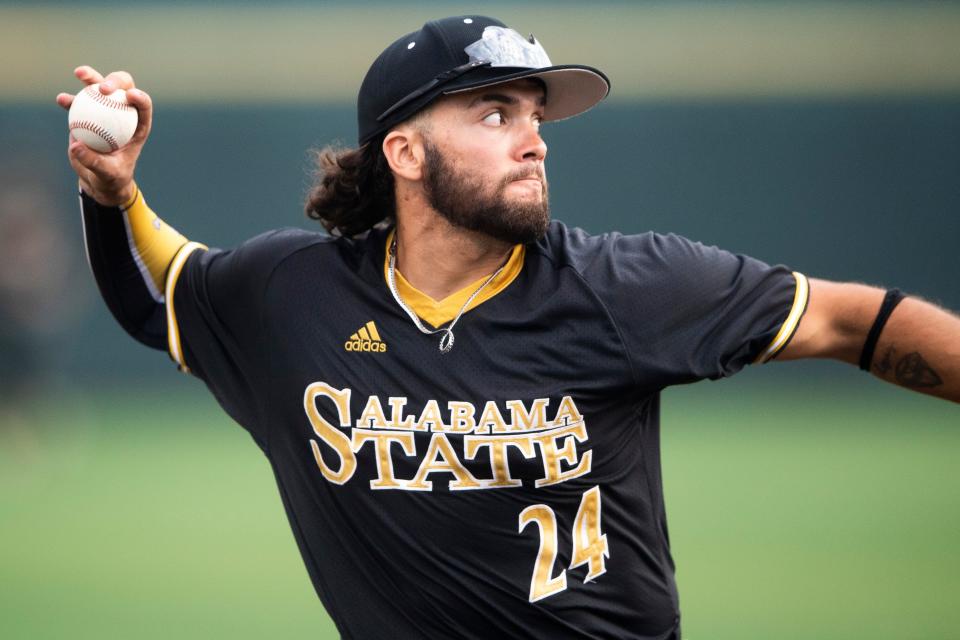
{"points": [[353, 189]]}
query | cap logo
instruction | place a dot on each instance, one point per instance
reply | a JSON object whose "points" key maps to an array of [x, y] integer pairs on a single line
{"points": [[503, 47]]}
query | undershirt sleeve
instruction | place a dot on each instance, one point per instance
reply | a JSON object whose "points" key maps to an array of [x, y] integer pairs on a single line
{"points": [[129, 249], [202, 306]]}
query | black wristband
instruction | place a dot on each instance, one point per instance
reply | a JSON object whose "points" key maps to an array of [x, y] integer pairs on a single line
{"points": [[890, 302]]}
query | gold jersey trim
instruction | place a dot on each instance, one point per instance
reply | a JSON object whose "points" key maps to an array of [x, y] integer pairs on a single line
{"points": [[173, 329], [440, 312], [800, 298]]}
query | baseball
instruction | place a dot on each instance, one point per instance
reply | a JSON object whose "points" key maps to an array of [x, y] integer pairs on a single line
{"points": [[102, 122]]}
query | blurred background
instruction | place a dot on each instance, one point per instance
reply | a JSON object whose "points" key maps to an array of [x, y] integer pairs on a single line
{"points": [[806, 500]]}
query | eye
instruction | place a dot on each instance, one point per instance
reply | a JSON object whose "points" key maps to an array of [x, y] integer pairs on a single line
{"points": [[495, 119]]}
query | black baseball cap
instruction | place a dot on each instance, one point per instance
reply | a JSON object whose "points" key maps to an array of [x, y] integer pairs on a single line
{"points": [[466, 52]]}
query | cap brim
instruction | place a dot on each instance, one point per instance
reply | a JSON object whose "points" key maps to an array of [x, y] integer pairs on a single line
{"points": [[571, 89]]}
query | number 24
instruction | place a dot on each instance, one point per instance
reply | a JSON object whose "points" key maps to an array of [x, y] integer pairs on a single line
{"points": [[589, 545]]}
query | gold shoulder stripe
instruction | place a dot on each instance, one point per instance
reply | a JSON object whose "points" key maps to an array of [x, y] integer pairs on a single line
{"points": [[789, 327], [440, 312], [173, 329]]}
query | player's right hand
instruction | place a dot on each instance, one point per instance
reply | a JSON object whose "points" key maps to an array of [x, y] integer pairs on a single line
{"points": [[108, 177]]}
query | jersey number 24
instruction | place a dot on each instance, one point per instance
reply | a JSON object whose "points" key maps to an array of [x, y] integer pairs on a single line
{"points": [[589, 544]]}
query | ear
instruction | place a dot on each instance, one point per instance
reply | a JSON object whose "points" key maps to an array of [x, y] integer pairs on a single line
{"points": [[403, 150]]}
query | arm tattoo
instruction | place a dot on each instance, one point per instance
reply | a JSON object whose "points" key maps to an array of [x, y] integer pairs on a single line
{"points": [[913, 371], [883, 367], [909, 371]]}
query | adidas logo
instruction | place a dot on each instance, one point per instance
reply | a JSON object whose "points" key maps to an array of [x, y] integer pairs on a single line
{"points": [[366, 339]]}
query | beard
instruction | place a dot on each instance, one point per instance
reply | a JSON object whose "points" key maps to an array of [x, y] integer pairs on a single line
{"points": [[468, 202]]}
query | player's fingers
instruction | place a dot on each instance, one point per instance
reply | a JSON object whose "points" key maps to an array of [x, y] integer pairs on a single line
{"points": [[99, 173], [116, 80], [77, 156], [81, 153], [94, 161], [64, 100], [88, 74], [144, 105]]}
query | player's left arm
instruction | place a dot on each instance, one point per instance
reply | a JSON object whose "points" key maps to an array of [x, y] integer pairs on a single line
{"points": [[918, 347]]}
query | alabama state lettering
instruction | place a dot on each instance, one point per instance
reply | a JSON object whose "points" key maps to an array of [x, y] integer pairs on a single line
{"points": [[536, 431]]}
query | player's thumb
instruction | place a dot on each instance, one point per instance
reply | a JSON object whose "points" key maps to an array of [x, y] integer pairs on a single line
{"points": [[84, 156]]}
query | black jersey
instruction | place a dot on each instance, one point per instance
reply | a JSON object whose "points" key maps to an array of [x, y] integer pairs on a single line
{"points": [[509, 488]]}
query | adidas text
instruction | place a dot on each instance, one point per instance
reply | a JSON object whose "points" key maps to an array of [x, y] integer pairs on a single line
{"points": [[365, 345]]}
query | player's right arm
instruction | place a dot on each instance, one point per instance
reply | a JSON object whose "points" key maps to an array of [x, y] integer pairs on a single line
{"points": [[205, 308], [130, 249]]}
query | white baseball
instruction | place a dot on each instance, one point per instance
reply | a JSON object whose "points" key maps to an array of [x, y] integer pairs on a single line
{"points": [[103, 123]]}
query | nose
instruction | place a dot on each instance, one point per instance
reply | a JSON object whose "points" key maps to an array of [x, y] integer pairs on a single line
{"points": [[532, 146]]}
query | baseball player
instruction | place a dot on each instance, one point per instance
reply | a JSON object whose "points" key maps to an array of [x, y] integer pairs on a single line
{"points": [[459, 398]]}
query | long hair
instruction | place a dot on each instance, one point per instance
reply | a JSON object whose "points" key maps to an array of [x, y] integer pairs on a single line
{"points": [[353, 189]]}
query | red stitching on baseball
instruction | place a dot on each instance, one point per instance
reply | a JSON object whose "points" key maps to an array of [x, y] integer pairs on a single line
{"points": [[93, 127], [94, 93]]}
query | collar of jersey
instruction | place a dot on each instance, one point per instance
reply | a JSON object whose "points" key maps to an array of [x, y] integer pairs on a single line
{"points": [[440, 312]]}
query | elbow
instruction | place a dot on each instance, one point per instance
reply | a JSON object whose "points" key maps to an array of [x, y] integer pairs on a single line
{"points": [[836, 322]]}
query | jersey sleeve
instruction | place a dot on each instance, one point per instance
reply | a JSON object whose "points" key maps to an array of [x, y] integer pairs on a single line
{"points": [[687, 311], [214, 316], [129, 248]]}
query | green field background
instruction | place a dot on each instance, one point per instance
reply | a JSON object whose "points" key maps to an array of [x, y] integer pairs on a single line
{"points": [[805, 513]]}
